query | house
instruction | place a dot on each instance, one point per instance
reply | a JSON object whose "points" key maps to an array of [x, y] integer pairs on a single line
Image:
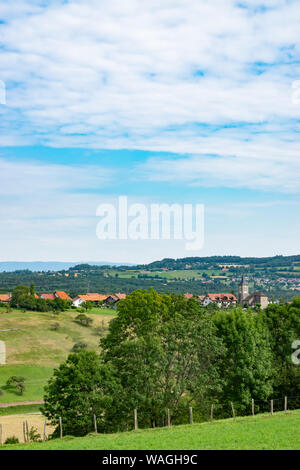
{"points": [[90, 297], [56, 295], [5, 298], [188, 296], [48, 296], [112, 300], [251, 300], [62, 295], [222, 300]]}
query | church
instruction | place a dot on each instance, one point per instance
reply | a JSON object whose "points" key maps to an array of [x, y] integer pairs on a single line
{"points": [[251, 300]]}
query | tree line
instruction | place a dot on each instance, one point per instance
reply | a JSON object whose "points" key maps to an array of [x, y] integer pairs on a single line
{"points": [[163, 352]]}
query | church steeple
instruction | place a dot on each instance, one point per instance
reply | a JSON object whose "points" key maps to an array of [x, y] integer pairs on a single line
{"points": [[243, 290]]}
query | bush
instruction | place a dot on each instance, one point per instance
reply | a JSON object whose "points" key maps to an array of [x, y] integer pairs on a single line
{"points": [[12, 440], [34, 436], [83, 320], [79, 346], [16, 382]]}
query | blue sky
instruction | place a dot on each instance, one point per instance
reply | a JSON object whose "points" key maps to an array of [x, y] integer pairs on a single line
{"points": [[181, 101]]}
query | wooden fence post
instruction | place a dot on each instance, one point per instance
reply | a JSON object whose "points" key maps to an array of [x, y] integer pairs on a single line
{"points": [[212, 412], [271, 407], [169, 419], [45, 435], [24, 431], [232, 408], [136, 426], [191, 415], [27, 431], [60, 427], [285, 405], [253, 407], [95, 424]]}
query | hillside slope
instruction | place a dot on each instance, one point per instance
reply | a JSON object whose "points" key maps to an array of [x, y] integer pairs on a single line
{"points": [[34, 347], [261, 432]]}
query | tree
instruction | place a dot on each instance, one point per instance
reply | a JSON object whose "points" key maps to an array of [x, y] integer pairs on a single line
{"points": [[79, 346], [283, 323], [79, 389], [247, 366], [16, 382], [165, 351], [83, 320], [20, 297], [88, 305]]}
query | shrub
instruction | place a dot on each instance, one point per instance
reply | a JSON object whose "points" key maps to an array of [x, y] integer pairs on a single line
{"points": [[34, 436], [79, 346], [83, 320], [12, 440], [16, 382]]}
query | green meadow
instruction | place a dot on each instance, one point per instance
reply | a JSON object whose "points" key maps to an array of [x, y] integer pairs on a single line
{"points": [[34, 346], [277, 432]]}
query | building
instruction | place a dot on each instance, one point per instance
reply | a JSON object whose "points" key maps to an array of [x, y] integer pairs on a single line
{"points": [[243, 290], [5, 298], [188, 296], [222, 300], [112, 300], [62, 295], [90, 297], [48, 296], [251, 300]]}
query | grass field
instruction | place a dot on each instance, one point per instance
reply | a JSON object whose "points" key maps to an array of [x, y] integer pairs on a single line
{"points": [[12, 425], [263, 432], [34, 348]]}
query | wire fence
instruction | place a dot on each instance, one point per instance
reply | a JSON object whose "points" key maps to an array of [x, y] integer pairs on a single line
{"points": [[144, 419], [205, 412]]}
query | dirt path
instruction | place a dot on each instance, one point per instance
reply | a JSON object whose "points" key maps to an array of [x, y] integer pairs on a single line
{"points": [[18, 403]]}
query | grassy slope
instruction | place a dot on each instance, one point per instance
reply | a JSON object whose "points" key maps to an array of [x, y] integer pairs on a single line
{"points": [[262, 432], [33, 350]]}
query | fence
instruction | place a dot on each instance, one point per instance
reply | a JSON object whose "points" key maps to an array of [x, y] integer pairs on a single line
{"points": [[188, 415]]}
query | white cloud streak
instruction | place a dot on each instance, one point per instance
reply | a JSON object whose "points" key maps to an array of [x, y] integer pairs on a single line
{"points": [[181, 76]]}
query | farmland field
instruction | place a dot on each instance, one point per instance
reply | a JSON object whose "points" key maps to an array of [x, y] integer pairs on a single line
{"points": [[34, 346], [261, 432], [12, 425]]}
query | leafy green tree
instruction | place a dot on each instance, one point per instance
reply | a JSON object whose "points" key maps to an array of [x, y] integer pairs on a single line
{"points": [[79, 346], [247, 366], [165, 351], [88, 305], [59, 305], [16, 382], [81, 387], [83, 320], [19, 296], [283, 323]]}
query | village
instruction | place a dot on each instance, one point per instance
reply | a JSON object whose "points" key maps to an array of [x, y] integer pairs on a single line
{"points": [[221, 300]]}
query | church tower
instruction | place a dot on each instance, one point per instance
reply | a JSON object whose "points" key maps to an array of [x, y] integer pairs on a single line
{"points": [[243, 291]]}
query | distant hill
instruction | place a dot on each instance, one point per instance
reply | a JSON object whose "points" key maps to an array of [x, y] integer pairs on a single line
{"points": [[11, 266], [196, 262]]}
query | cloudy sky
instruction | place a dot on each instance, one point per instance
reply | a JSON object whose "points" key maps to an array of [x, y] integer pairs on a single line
{"points": [[180, 101]]}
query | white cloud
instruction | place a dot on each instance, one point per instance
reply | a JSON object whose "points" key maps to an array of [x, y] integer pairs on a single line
{"points": [[170, 76], [23, 178]]}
